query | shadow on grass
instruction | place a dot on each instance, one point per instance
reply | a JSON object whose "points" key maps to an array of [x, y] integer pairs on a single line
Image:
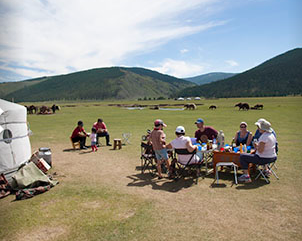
{"points": [[252, 185], [147, 179]]}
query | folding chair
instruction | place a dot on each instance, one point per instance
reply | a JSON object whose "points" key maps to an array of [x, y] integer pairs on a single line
{"points": [[75, 144], [126, 137], [261, 169], [148, 160], [188, 166]]}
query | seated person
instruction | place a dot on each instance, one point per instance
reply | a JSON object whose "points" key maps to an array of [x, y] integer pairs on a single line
{"points": [[243, 136], [258, 133], [79, 134], [183, 142], [204, 133], [101, 131], [265, 151]]}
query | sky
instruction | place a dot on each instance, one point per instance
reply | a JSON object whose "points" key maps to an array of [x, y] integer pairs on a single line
{"points": [[183, 38]]}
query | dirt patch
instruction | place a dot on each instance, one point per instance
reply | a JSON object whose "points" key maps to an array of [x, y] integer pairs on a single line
{"points": [[42, 233]]}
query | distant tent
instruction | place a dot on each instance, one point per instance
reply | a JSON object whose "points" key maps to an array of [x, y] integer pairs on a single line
{"points": [[14, 141], [180, 98]]}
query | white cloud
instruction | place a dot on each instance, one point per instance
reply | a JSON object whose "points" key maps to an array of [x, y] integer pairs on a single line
{"points": [[232, 63], [183, 51], [58, 34], [181, 69]]}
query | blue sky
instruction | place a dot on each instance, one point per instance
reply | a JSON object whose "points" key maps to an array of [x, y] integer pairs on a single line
{"points": [[182, 38]]}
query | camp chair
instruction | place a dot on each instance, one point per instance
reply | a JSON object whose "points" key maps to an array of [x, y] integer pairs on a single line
{"points": [[126, 137], [75, 144], [270, 167], [188, 166], [148, 160]]}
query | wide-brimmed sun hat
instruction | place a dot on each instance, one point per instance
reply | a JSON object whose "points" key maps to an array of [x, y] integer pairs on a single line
{"points": [[159, 122], [180, 130], [257, 123], [265, 126]]}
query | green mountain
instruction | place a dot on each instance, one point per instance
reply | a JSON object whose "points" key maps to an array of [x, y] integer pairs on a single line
{"points": [[210, 77], [279, 76], [9, 87], [100, 84]]}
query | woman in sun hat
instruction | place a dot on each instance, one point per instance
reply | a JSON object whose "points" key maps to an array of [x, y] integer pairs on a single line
{"points": [[243, 136], [265, 150]]}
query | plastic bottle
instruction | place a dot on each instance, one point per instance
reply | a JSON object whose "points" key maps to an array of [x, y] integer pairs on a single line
{"points": [[220, 138], [233, 144], [241, 148], [244, 148]]}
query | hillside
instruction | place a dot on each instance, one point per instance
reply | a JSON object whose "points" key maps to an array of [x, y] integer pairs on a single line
{"points": [[102, 83], [9, 87], [210, 77], [279, 76]]}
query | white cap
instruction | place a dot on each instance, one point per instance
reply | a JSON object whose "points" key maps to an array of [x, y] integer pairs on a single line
{"points": [[180, 130]]}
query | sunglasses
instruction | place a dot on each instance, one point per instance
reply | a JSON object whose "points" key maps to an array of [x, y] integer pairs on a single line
{"points": [[242, 126]]}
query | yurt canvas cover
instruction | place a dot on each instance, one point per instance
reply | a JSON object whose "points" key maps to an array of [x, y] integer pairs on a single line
{"points": [[14, 141]]}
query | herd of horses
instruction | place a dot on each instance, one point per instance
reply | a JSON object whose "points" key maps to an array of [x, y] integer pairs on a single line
{"points": [[42, 110], [242, 106]]}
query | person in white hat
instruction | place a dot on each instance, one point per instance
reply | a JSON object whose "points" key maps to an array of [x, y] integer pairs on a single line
{"points": [[158, 140], [183, 142], [243, 136], [265, 151]]}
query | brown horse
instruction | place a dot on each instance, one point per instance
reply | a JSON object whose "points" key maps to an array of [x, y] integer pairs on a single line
{"points": [[190, 106], [243, 106]]}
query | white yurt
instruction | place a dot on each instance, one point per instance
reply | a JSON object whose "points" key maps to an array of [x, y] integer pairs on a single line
{"points": [[14, 141]]}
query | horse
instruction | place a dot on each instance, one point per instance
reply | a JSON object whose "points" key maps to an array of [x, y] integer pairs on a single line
{"points": [[31, 109], [54, 108], [212, 107], [259, 106], [190, 106], [243, 106], [44, 110]]}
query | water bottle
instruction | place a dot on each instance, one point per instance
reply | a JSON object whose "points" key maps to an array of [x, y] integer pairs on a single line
{"points": [[220, 138], [241, 148]]}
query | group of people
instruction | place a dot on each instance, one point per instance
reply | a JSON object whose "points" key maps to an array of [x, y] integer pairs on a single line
{"points": [[99, 129], [264, 142]]}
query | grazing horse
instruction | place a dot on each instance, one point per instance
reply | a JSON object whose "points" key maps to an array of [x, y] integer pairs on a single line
{"points": [[190, 106], [212, 107], [259, 107], [31, 109], [243, 106], [44, 110]]}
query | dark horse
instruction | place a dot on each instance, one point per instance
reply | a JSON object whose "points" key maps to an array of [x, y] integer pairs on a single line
{"points": [[54, 108], [31, 109], [259, 106], [212, 107], [243, 106]]}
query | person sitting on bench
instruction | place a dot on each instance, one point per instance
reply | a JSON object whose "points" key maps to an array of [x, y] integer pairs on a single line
{"points": [[101, 131], [79, 134]]}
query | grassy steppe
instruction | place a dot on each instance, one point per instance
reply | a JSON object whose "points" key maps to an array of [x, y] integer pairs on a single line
{"points": [[102, 196]]}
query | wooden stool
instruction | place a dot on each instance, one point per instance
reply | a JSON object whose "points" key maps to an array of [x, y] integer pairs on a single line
{"points": [[117, 143], [75, 144]]}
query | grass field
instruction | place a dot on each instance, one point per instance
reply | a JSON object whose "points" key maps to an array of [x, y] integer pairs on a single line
{"points": [[103, 195]]}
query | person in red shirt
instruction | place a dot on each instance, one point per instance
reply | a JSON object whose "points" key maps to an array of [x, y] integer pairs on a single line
{"points": [[101, 131], [79, 134], [204, 133]]}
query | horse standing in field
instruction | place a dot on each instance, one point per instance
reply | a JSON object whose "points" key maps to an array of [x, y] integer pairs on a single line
{"points": [[31, 109], [212, 107], [190, 106], [54, 108], [243, 106]]}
